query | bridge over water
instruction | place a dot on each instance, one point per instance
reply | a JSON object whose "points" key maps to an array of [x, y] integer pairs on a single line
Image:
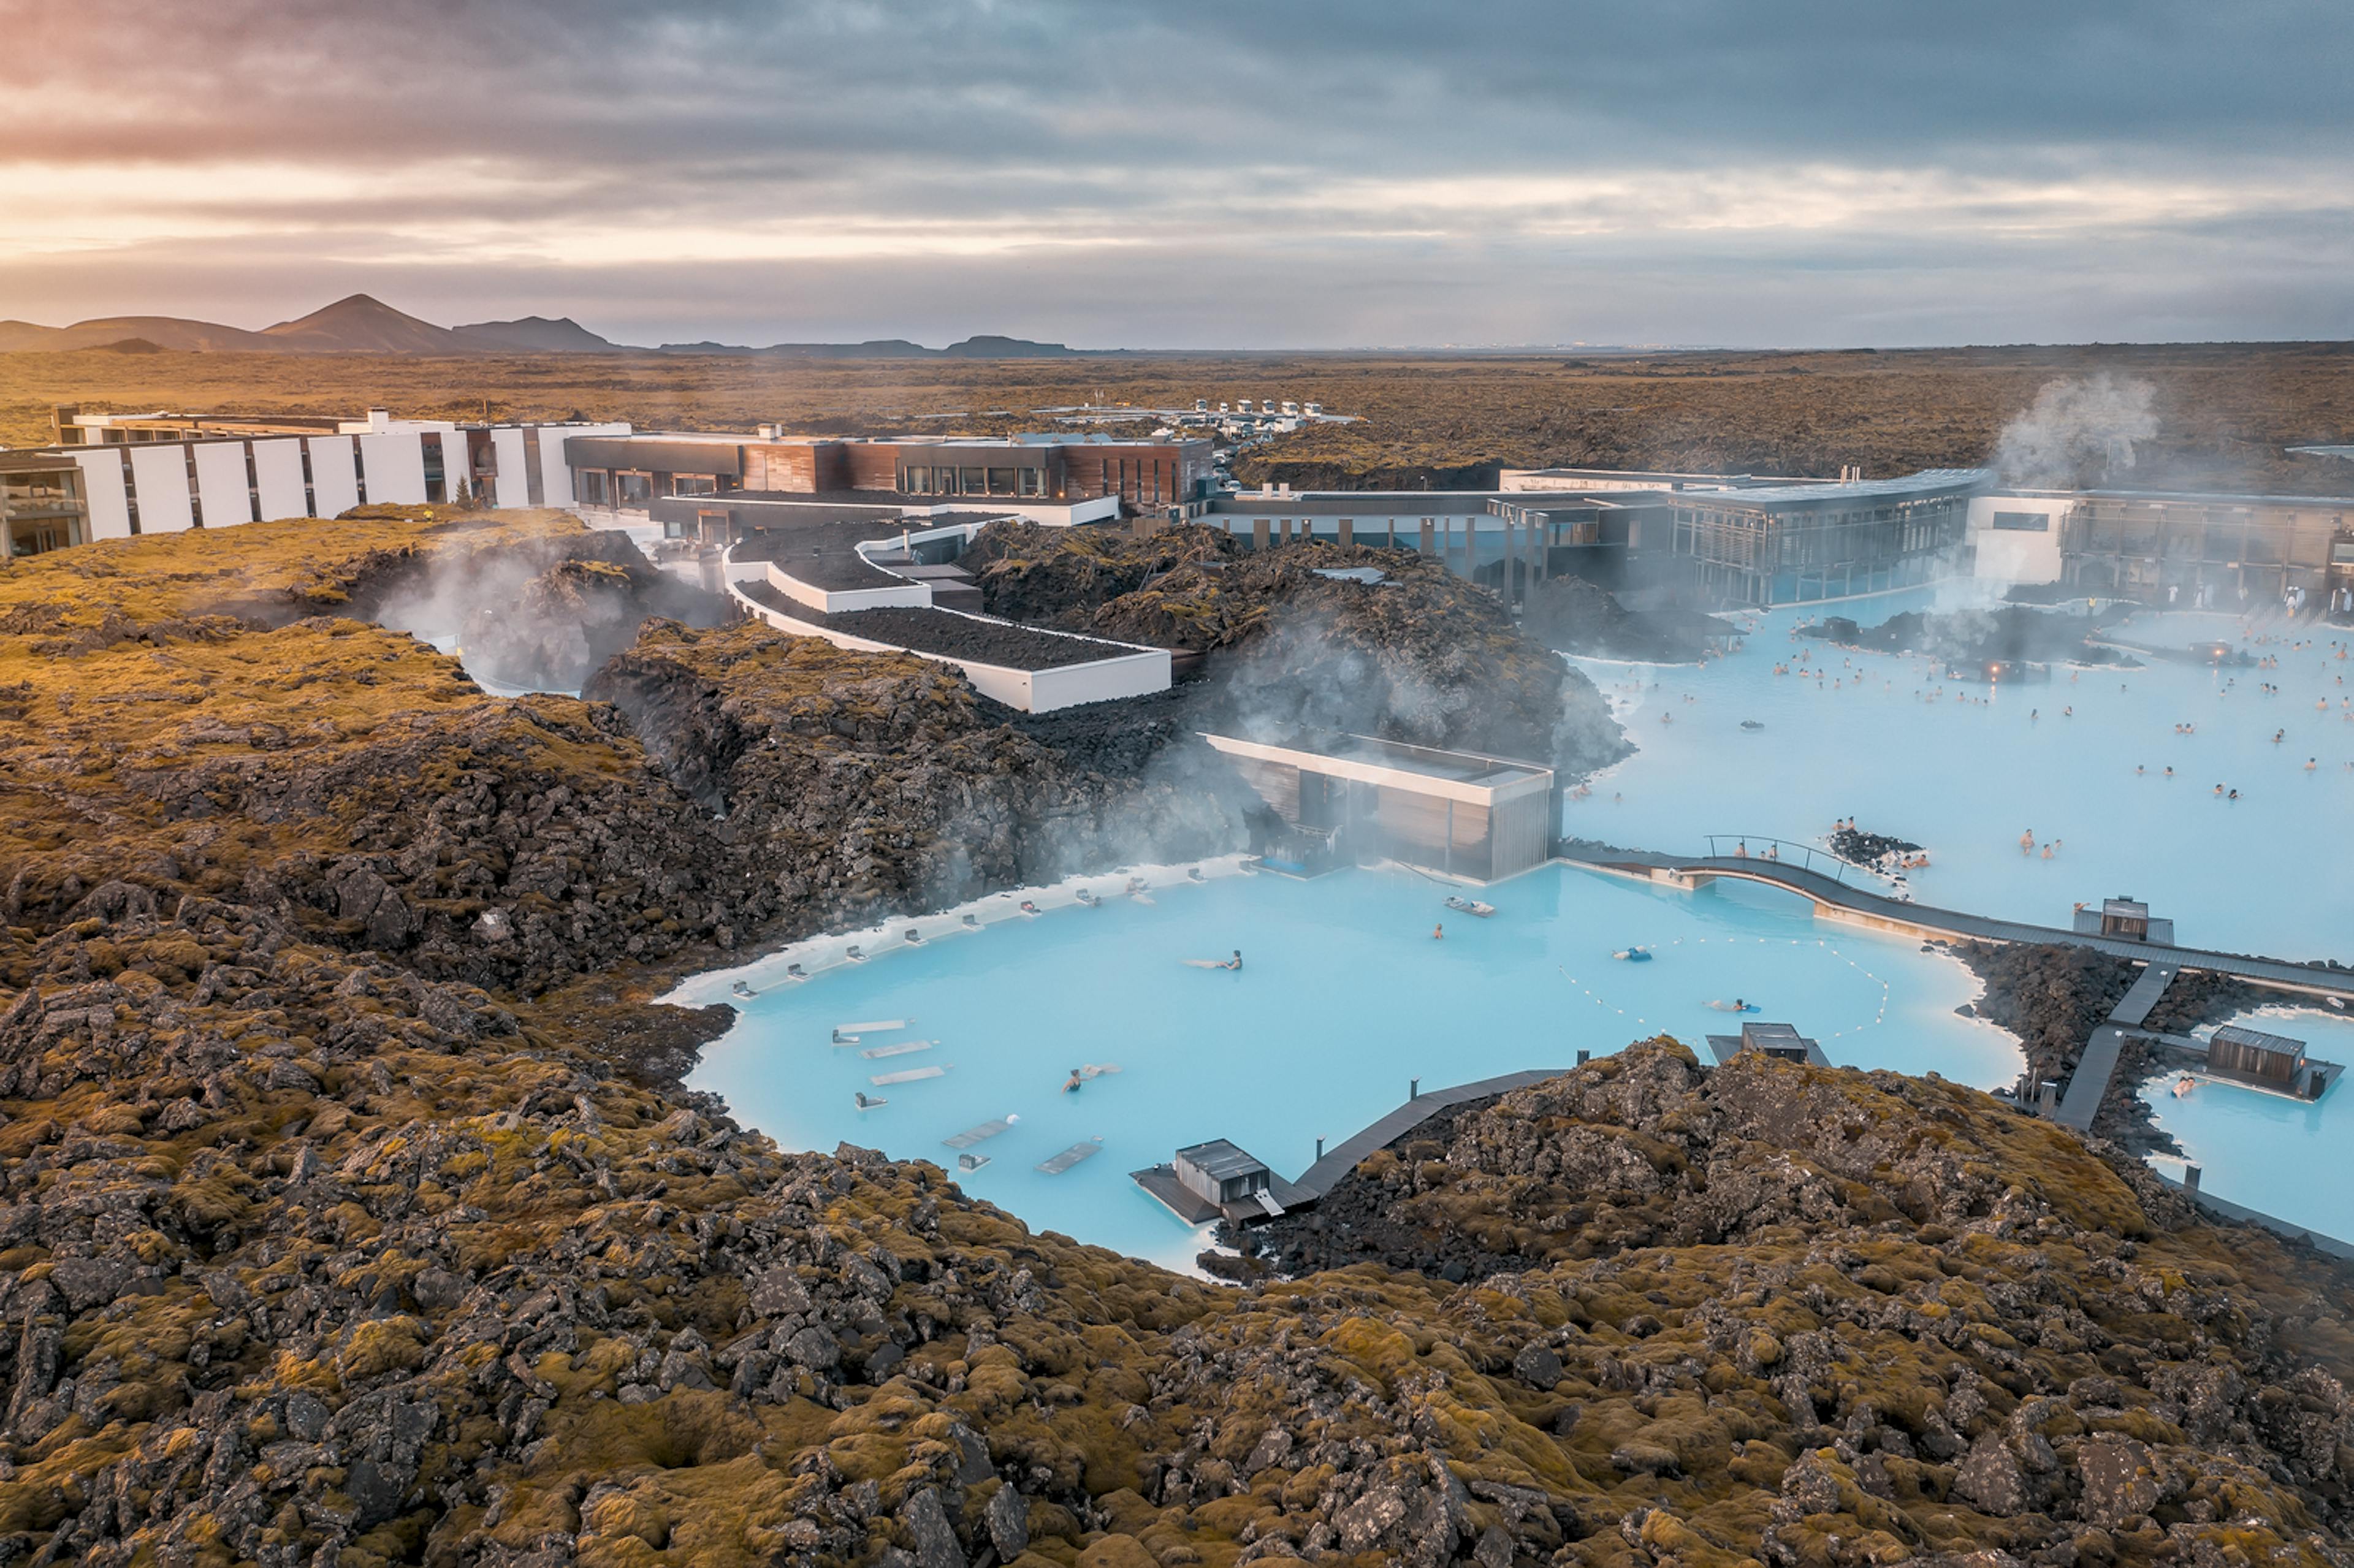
{"points": [[1834, 887]]}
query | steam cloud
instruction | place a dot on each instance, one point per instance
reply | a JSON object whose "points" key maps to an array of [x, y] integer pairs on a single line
{"points": [[2077, 433]]}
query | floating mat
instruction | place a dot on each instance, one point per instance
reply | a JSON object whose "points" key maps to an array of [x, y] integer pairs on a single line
{"points": [[1061, 1162], [873, 1026], [980, 1134], [904, 1048], [908, 1076]]}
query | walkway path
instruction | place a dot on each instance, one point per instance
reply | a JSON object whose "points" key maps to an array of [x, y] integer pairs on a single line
{"points": [[2089, 1084], [1318, 1179], [1928, 920]]}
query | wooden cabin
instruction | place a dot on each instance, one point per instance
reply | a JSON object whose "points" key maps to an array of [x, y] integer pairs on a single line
{"points": [[2252, 1054], [1779, 1040], [2125, 917]]}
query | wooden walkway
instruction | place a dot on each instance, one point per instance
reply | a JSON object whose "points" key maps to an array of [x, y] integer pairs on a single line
{"points": [[1839, 898], [1318, 1179], [2089, 1084]]}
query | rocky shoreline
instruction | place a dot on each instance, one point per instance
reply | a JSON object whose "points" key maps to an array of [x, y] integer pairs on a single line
{"points": [[2053, 995]]}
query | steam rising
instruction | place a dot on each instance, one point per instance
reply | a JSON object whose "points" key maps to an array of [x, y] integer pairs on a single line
{"points": [[2077, 433]]}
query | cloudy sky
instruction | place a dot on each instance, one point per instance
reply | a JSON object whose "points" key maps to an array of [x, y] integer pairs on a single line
{"points": [[1211, 174]]}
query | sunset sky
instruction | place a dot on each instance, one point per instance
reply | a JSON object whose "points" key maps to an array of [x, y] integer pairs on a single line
{"points": [[1201, 175]]}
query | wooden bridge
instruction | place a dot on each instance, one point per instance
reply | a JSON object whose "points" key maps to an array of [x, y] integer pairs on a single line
{"points": [[1824, 881]]}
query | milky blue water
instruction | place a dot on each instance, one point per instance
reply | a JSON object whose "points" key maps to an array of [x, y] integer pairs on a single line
{"points": [[1967, 768], [1343, 998], [2269, 1153]]}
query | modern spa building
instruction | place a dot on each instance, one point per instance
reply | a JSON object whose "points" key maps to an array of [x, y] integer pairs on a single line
{"points": [[2169, 546], [625, 473], [1714, 538]]}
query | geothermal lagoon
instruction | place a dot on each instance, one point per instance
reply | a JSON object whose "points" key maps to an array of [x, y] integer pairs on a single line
{"points": [[1346, 996], [1343, 998]]}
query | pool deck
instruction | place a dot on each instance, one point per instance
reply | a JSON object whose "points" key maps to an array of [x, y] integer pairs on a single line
{"points": [[1839, 900]]}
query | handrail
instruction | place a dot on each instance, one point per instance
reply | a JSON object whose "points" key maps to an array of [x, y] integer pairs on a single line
{"points": [[1808, 854]]}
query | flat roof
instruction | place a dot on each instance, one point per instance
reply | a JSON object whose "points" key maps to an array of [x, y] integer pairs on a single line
{"points": [[1928, 481], [1458, 775], [1220, 1159], [2200, 498], [2232, 1034], [36, 461]]}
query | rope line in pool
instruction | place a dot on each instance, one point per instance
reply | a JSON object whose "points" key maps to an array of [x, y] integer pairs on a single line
{"points": [[1880, 1014]]}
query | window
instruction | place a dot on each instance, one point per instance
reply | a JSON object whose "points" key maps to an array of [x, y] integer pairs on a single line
{"points": [[591, 487], [2023, 522], [1002, 480], [973, 481], [915, 481], [636, 489], [1033, 481], [694, 484]]}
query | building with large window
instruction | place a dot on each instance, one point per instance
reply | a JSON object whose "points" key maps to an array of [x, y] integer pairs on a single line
{"points": [[41, 503], [626, 474], [1799, 543], [2169, 546]]}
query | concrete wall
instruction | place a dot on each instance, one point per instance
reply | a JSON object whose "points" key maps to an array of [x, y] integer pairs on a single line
{"points": [[277, 476], [333, 482], [105, 492], [161, 475], [395, 468], [226, 499], [2012, 555], [1138, 675], [512, 464], [835, 601], [1033, 691]]}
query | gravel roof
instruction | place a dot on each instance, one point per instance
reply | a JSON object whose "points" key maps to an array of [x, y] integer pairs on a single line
{"points": [[942, 633]]}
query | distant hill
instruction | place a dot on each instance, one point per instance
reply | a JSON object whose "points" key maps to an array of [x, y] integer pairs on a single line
{"points": [[874, 348], [362, 324], [164, 331], [537, 334], [990, 346], [987, 346]]}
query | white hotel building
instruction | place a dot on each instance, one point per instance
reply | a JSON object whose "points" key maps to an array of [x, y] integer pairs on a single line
{"points": [[143, 474]]}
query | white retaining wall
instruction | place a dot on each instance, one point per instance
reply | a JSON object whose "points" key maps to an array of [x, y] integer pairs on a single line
{"points": [[1136, 674]]}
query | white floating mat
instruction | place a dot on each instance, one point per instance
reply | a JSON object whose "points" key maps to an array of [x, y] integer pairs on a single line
{"points": [[908, 1075], [980, 1134]]}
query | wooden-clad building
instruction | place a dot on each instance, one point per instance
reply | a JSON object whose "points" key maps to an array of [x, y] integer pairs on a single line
{"points": [[2252, 1054], [1458, 813], [628, 472]]}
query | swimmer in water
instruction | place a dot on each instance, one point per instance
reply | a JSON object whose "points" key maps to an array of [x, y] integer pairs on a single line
{"points": [[1071, 1084], [1438, 932]]}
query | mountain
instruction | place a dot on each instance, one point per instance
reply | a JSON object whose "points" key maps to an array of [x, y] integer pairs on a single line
{"points": [[536, 334], [361, 324]]}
